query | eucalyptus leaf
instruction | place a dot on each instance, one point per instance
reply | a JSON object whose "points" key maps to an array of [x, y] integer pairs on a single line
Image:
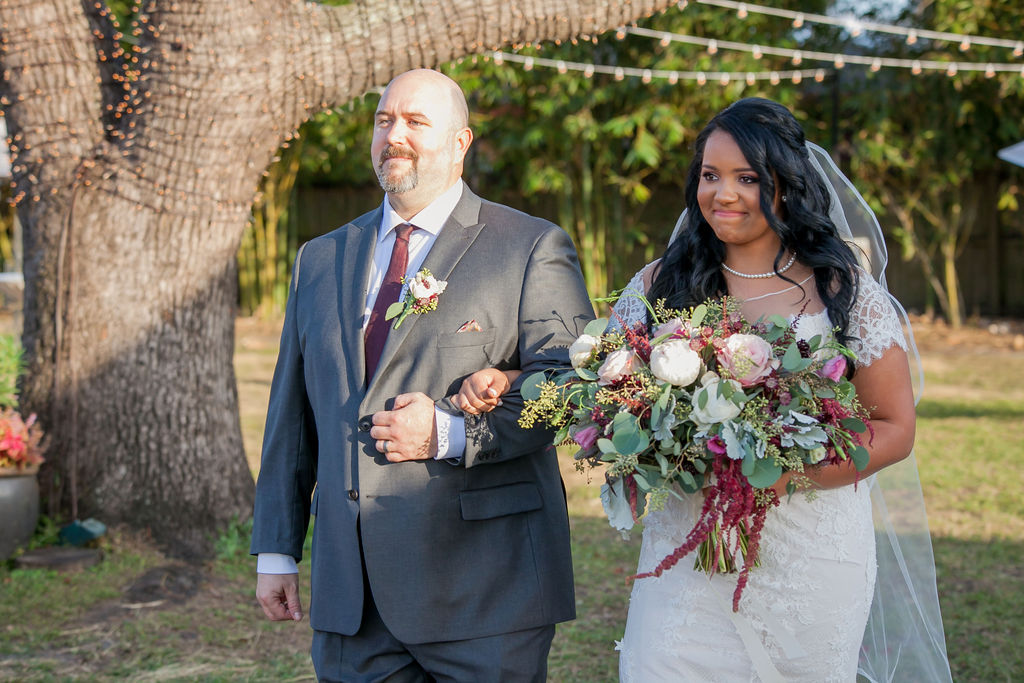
{"points": [[860, 457], [749, 463], [792, 360], [765, 473], [699, 313], [779, 321], [606, 446], [854, 424], [530, 388], [586, 374], [596, 328]]}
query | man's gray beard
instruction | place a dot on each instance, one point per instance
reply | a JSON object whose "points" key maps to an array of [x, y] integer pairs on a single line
{"points": [[403, 184]]}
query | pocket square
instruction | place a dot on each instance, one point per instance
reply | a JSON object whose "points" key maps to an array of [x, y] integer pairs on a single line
{"points": [[469, 326]]}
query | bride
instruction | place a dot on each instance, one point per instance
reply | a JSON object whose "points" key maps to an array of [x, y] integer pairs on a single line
{"points": [[758, 227]]}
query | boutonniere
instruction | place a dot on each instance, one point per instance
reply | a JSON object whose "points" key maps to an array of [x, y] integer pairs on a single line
{"points": [[420, 297]]}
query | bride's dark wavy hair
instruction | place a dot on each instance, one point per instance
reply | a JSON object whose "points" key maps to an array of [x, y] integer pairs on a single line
{"points": [[773, 143]]}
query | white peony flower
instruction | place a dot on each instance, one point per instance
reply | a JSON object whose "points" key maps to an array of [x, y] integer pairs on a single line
{"points": [[582, 349], [675, 362], [716, 408]]}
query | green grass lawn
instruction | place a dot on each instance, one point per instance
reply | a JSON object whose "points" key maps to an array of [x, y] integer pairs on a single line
{"points": [[189, 626]]}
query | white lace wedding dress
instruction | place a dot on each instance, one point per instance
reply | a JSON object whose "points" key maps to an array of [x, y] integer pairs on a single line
{"points": [[803, 612]]}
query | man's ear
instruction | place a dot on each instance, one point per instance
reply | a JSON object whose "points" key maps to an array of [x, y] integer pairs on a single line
{"points": [[463, 139]]}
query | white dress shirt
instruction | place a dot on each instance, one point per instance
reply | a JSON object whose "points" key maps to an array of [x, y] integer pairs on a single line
{"points": [[451, 430]]}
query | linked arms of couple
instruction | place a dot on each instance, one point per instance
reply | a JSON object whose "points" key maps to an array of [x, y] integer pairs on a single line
{"points": [[403, 427]]}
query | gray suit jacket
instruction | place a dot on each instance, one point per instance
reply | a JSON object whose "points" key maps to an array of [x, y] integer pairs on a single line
{"points": [[450, 552]]}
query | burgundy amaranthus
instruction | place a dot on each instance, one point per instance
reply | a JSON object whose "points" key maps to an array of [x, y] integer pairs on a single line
{"points": [[730, 501]]}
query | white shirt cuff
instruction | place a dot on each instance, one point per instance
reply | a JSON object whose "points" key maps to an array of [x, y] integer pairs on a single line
{"points": [[451, 436], [276, 563]]}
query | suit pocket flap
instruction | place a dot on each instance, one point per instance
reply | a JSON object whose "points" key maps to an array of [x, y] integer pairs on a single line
{"points": [[500, 501], [453, 339]]}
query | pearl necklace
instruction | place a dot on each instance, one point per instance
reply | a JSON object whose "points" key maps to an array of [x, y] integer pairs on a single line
{"points": [[761, 276]]}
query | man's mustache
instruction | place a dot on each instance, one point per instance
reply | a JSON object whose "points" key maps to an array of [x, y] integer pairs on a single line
{"points": [[392, 151]]}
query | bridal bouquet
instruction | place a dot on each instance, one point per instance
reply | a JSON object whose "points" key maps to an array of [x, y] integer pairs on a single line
{"points": [[707, 401]]}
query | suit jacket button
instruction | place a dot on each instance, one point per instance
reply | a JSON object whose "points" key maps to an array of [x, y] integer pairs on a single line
{"points": [[365, 424], [353, 494]]}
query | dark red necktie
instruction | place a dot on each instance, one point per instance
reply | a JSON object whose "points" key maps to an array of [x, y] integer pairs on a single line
{"points": [[377, 328]]}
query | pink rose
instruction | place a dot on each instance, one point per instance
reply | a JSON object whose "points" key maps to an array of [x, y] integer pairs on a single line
{"points": [[617, 365], [586, 437], [747, 358], [834, 368]]}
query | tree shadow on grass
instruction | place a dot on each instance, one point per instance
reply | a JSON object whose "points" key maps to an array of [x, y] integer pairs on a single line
{"points": [[944, 409]]}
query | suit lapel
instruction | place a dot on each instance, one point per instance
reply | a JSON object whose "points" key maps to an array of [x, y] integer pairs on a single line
{"points": [[353, 269], [459, 232]]}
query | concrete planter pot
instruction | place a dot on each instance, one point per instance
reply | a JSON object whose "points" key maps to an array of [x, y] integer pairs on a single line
{"points": [[19, 508]]}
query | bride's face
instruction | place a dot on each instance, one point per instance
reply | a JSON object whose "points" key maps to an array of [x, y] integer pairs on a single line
{"points": [[729, 195]]}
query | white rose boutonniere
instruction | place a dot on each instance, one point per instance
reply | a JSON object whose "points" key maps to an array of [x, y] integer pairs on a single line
{"points": [[420, 297]]}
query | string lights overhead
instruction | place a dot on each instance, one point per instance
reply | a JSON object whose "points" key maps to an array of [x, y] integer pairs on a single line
{"points": [[647, 75], [856, 26], [796, 56], [838, 60]]}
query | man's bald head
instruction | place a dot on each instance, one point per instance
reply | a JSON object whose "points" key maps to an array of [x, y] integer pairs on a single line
{"points": [[459, 109]]}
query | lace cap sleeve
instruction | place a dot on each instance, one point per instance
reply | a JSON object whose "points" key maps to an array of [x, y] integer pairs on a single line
{"points": [[630, 308], [874, 323]]}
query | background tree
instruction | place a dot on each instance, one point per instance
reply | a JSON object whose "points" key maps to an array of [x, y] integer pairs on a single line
{"points": [[135, 171], [924, 147]]}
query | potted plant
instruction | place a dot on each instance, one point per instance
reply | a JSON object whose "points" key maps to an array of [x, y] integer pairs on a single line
{"points": [[21, 451]]}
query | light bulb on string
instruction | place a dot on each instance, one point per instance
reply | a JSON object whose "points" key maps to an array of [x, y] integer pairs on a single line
{"points": [[797, 58], [673, 77], [562, 68], [751, 78], [665, 41], [724, 78], [741, 11], [528, 64], [701, 78], [773, 77], [819, 75], [911, 37], [952, 69], [712, 46], [839, 62], [756, 52], [619, 73], [1018, 49], [646, 77], [589, 71], [965, 45], [990, 71], [915, 67], [876, 64], [797, 77], [798, 20]]}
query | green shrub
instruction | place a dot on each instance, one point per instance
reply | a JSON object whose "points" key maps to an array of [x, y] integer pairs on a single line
{"points": [[10, 369]]}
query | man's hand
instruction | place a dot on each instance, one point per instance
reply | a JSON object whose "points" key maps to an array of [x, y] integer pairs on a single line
{"points": [[278, 595], [407, 432]]}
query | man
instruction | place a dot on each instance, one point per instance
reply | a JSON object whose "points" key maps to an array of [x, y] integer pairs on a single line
{"points": [[441, 544]]}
